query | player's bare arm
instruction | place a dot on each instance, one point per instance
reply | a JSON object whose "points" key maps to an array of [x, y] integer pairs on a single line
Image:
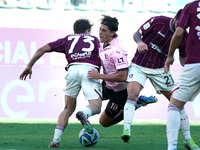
{"points": [[120, 76], [169, 61], [175, 41], [28, 70], [142, 47]]}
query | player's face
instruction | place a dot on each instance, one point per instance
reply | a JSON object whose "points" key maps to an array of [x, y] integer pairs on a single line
{"points": [[105, 34]]}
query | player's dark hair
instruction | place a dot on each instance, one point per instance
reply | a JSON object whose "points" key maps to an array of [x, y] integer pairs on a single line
{"points": [[81, 25], [111, 23], [178, 14]]}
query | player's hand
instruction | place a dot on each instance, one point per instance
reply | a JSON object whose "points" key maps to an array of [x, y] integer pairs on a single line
{"points": [[93, 74], [142, 47], [169, 61], [27, 71]]}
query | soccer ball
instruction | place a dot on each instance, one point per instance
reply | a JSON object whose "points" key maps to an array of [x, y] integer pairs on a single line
{"points": [[88, 139]]}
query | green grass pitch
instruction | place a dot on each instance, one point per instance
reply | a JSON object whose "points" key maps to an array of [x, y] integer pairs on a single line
{"points": [[37, 135]]}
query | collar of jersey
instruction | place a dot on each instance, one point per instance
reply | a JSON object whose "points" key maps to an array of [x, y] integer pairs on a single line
{"points": [[106, 46]]}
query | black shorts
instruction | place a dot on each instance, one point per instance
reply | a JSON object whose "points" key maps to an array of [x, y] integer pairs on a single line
{"points": [[116, 103]]}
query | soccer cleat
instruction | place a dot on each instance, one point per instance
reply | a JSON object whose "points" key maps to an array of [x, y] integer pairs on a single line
{"points": [[86, 124], [143, 100], [54, 143], [126, 135], [191, 145]]}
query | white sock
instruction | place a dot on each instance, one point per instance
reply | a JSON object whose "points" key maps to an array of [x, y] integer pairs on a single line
{"points": [[87, 112], [185, 125], [173, 125], [57, 134], [171, 147], [129, 110]]}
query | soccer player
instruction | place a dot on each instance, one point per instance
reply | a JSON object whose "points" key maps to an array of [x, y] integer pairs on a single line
{"points": [[82, 53], [115, 68], [188, 84], [153, 39]]}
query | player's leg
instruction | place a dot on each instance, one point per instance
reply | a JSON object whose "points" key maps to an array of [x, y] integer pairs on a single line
{"points": [[113, 113], [184, 121], [163, 83], [190, 86], [136, 80], [93, 108], [173, 122], [92, 90], [186, 89], [185, 127], [105, 120], [70, 105], [133, 89], [71, 92]]}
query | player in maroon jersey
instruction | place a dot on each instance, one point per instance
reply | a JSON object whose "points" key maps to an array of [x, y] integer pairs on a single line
{"points": [[188, 84], [82, 53], [153, 39]]}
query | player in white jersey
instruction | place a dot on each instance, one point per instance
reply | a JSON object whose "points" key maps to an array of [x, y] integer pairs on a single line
{"points": [[188, 84], [115, 66], [82, 53]]}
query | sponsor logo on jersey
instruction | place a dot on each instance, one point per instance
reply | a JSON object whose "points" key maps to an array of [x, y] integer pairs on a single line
{"points": [[154, 46], [76, 56], [161, 34], [146, 26], [118, 52]]}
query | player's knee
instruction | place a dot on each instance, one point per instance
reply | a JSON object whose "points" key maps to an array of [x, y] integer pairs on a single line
{"points": [[103, 123], [70, 111], [133, 96], [173, 107]]}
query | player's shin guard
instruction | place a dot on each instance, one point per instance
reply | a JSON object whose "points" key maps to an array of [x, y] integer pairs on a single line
{"points": [[173, 125]]}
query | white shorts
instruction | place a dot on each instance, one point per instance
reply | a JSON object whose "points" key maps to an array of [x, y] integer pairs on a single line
{"points": [[76, 79], [188, 84], [160, 80]]}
